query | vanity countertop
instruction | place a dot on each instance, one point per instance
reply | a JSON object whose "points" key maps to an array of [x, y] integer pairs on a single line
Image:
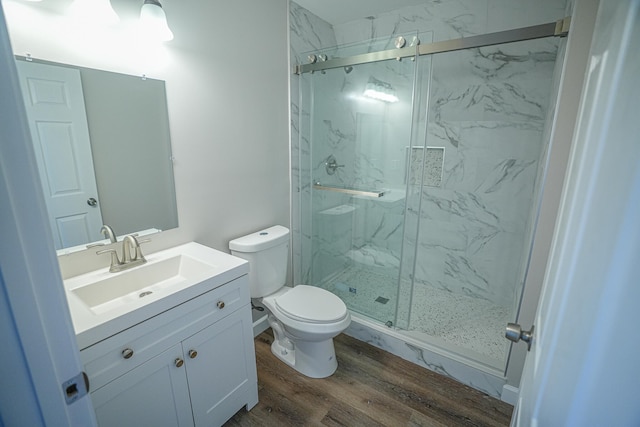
{"points": [[190, 269]]}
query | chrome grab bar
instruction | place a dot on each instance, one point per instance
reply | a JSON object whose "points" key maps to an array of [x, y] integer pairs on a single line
{"points": [[354, 191]]}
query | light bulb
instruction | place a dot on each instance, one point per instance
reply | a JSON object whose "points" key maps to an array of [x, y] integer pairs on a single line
{"points": [[153, 22]]}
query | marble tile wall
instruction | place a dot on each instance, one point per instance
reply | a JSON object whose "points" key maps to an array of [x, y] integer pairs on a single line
{"points": [[307, 33], [487, 108]]}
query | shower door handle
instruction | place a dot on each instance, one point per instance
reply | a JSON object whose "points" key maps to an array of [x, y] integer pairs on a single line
{"points": [[515, 333]]}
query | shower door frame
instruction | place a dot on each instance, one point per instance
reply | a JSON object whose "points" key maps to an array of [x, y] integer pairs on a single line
{"points": [[559, 28]]}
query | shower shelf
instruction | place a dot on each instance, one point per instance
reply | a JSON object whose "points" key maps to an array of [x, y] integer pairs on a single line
{"points": [[354, 191]]}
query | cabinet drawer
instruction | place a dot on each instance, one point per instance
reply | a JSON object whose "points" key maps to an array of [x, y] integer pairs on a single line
{"points": [[107, 360]]}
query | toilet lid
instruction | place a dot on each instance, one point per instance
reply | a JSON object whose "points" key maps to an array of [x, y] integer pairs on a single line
{"points": [[311, 304]]}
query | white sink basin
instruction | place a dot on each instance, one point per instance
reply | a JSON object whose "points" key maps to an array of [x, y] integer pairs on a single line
{"points": [[104, 303], [147, 279]]}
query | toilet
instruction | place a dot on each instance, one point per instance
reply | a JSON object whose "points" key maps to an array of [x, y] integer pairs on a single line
{"points": [[304, 318]]}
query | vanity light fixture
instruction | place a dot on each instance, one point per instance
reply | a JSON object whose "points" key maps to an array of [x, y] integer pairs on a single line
{"points": [[94, 12], [153, 22], [382, 91]]}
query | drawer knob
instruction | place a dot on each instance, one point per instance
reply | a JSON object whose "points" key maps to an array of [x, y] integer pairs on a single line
{"points": [[179, 362], [127, 353], [193, 354], [220, 305]]}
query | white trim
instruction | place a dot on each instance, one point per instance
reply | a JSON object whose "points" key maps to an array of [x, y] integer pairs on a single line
{"points": [[41, 334], [510, 394], [566, 112], [260, 325]]}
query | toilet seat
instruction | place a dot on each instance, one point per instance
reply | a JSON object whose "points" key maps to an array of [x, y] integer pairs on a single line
{"points": [[310, 304]]}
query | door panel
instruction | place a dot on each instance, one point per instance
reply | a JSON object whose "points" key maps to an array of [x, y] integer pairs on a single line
{"points": [[57, 119], [582, 368]]}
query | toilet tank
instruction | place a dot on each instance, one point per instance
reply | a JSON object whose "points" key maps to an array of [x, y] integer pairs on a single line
{"points": [[268, 253]]}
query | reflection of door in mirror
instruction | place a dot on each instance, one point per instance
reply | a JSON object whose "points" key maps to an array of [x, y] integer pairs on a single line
{"points": [[57, 119]]}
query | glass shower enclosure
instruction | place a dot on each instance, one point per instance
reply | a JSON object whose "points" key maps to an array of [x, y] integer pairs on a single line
{"points": [[418, 185]]}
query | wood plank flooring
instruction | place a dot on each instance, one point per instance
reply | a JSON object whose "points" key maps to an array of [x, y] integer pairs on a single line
{"points": [[370, 388]]}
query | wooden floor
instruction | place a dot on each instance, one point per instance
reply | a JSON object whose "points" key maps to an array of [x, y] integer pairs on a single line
{"points": [[370, 388]]}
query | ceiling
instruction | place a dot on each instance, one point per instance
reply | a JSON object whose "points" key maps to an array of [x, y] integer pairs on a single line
{"points": [[341, 11]]}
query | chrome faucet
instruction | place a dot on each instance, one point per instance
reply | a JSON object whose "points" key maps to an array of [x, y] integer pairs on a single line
{"points": [[128, 261], [129, 242], [108, 233]]}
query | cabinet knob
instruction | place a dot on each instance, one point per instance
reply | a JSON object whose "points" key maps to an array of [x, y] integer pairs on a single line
{"points": [[193, 354], [127, 353], [220, 305], [179, 362]]}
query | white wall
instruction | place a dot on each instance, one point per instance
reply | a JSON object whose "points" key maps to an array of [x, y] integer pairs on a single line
{"points": [[226, 77]]}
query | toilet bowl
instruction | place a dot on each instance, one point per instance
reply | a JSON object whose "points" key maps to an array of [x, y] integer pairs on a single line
{"points": [[304, 319]]}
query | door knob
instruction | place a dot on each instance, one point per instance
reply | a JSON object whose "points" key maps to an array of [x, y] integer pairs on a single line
{"points": [[515, 333], [92, 202]]}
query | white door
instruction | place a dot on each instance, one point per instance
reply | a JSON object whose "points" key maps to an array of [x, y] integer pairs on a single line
{"points": [[583, 367], [57, 119], [39, 350]]}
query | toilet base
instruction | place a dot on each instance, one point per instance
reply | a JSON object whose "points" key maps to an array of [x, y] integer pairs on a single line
{"points": [[313, 359]]}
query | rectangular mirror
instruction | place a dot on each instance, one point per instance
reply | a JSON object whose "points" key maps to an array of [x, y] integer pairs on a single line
{"points": [[103, 149]]}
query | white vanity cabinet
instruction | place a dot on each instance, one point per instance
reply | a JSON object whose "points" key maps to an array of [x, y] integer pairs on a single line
{"points": [[191, 365]]}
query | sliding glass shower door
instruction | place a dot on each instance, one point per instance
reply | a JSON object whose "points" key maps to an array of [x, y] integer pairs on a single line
{"points": [[420, 186], [359, 121]]}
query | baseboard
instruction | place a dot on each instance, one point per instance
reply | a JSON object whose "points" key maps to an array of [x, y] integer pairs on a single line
{"points": [[260, 325], [509, 394]]}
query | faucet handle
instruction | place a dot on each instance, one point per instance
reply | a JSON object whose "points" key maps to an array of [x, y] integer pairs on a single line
{"points": [[139, 251], [115, 262]]}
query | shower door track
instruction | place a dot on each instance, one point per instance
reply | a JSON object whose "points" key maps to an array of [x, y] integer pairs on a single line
{"points": [[559, 28]]}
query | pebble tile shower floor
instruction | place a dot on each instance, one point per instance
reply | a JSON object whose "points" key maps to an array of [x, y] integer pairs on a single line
{"points": [[461, 321]]}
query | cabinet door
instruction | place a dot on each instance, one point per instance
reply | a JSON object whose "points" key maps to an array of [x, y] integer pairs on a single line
{"points": [[153, 394], [222, 376]]}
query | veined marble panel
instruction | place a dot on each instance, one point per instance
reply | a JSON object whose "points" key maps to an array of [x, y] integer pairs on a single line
{"points": [[427, 355], [448, 20], [487, 107], [307, 33]]}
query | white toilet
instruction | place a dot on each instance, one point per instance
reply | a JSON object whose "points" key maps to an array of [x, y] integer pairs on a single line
{"points": [[304, 318]]}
